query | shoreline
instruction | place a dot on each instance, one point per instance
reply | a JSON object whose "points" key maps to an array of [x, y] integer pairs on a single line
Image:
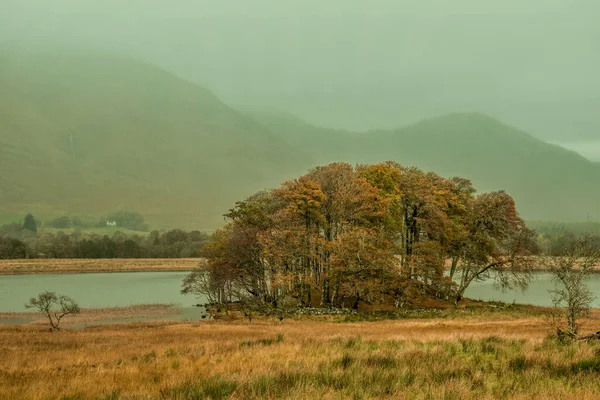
{"points": [[40, 266], [82, 266], [92, 271], [120, 315], [125, 315]]}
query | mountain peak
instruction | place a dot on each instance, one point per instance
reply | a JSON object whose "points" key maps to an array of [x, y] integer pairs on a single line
{"points": [[472, 123]]}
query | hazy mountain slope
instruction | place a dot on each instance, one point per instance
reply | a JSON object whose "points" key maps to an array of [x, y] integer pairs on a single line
{"points": [[548, 181], [323, 144], [96, 134]]}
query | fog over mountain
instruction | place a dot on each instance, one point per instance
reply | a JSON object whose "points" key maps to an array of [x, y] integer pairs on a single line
{"points": [[354, 65], [192, 104], [95, 134]]}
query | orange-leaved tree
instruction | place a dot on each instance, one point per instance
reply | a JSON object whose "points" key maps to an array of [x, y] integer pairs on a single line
{"points": [[340, 235]]}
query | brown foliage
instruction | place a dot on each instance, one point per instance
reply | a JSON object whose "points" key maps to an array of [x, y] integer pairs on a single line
{"points": [[362, 233]]}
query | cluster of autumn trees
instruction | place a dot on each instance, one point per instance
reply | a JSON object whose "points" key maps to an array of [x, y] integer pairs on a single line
{"points": [[341, 235]]}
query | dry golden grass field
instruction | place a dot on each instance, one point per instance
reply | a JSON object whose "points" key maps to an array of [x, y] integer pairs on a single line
{"points": [[53, 266], [497, 355], [50, 266]]}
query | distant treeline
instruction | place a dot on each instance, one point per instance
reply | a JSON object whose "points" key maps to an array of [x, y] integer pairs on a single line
{"points": [[558, 244], [123, 219], [170, 244], [557, 229], [555, 237]]}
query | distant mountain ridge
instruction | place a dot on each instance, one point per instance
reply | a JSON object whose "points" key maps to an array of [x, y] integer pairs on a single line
{"points": [[547, 181], [97, 134]]}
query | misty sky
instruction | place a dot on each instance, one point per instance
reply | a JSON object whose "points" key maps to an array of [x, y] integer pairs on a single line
{"points": [[354, 64]]}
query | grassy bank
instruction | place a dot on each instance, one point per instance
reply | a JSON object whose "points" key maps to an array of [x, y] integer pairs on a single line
{"points": [[53, 266], [493, 355], [90, 315]]}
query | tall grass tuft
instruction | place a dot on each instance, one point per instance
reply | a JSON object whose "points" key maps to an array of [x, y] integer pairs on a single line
{"points": [[263, 342], [589, 365], [214, 388]]}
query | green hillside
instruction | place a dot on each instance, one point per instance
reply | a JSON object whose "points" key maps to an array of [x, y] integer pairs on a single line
{"points": [[97, 134], [92, 135], [547, 181]]}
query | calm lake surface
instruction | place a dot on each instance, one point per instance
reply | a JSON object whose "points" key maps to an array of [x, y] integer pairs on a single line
{"points": [[537, 293], [98, 290], [125, 289]]}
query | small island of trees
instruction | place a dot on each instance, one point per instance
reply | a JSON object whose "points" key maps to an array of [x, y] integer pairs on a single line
{"points": [[341, 235]]}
